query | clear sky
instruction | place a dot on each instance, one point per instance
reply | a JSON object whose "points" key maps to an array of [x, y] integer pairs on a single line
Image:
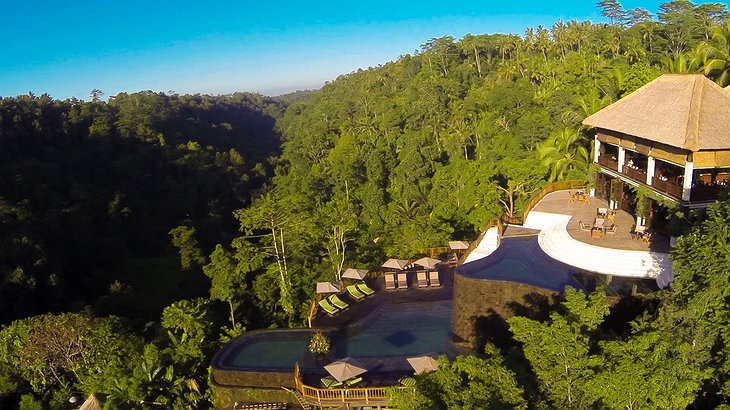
{"points": [[69, 47]]}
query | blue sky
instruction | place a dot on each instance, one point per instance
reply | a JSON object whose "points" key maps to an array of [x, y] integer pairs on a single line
{"points": [[67, 48]]}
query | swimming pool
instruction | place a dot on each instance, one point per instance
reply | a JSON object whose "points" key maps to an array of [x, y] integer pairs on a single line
{"points": [[391, 330], [520, 259]]}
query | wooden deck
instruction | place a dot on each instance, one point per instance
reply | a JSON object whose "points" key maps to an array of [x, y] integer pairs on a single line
{"points": [[376, 281], [557, 202]]}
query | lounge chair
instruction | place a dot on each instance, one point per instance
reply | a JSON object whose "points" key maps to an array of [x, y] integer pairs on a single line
{"points": [[355, 293], [601, 212], [433, 277], [354, 381], [612, 229], [338, 302], [330, 382], [363, 287], [327, 307], [402, 281], [390, 281], [408, 382], [422, 279]]}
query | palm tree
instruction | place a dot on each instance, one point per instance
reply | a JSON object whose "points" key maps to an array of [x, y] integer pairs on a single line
{"points": [[716, 55], [564, 151]]}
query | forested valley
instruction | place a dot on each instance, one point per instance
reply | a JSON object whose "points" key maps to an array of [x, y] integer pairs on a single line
{"points": [[138, 234]]}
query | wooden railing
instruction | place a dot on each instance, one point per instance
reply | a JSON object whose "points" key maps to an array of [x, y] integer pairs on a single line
{"points": [[497, 222], [668, 187], [635, 174], [435, 250], [355, 394], [555, 186], [607, 162], [312, 311]]}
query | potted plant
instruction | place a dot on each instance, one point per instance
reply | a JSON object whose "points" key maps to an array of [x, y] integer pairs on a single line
{"points": [[319, 344]]}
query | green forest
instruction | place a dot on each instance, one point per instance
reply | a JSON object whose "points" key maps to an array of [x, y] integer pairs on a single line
{"points": [[141, 232]]}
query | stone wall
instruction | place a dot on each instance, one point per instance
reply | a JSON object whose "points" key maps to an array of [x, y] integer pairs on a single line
{"points": [[230, 387], [261, 379], [481, 307]]}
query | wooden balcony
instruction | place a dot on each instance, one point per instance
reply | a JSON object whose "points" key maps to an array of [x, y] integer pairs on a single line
{"points": [[636, 174], [354, 396], [668, 187], [607, 162]]}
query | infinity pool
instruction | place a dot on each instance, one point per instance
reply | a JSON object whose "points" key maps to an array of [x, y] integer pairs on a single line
{"points": [[392, 330], [520, 259]]}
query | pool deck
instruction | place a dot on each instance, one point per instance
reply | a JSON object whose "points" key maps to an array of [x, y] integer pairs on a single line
{"points": [[557, 203], [376, 281]]}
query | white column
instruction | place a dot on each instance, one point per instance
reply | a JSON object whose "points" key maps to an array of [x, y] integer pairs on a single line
{"points": [[621, 159], [597, 146], [689, 168], [650, 166]]}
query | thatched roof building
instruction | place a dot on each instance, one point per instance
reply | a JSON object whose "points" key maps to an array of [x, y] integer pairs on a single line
{"points": [[686, 111]]}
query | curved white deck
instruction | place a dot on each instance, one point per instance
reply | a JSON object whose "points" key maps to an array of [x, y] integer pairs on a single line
{"points": [[555, 241]]}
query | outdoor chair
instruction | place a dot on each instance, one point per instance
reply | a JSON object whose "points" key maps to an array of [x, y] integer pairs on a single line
{"points": [[327, 307], [611, 217], [646, 237], [571, 197], [338, 302], [362, 287], [390, 281], [422, 279], [602, 212], [330, 382], [433, 277], [408, 382], [353, 382], [584, 226], [355, 293], [402, 281], [612, 229], [638, 232]]}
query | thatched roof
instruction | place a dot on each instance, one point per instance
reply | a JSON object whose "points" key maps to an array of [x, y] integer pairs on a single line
{"points": [[682, 110]]}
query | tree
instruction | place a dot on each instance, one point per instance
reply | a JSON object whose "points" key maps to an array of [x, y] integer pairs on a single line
{"points": [[559, 351], [612, 10], [184, 240], [564, 152], [716, 55], [468, 382]]}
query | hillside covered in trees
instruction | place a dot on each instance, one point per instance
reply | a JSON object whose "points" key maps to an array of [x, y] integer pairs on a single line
{"points": [[147, 230]]}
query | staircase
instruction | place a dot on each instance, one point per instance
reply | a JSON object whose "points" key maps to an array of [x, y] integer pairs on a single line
{"points": [[302, 402], [489, 243]]}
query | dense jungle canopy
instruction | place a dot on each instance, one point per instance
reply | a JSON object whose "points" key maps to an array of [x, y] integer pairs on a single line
{"points": [[146, 230]]}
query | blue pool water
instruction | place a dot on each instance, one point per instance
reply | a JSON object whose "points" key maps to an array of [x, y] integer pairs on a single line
{"points": [[404, 329], [393, 330], [520, 259]]}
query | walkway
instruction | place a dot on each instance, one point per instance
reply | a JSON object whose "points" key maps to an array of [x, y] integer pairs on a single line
{"points": [[616, 255]]}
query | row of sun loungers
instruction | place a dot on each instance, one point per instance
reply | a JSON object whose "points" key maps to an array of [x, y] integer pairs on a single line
{"points": [[400, 281], [333, 304]]}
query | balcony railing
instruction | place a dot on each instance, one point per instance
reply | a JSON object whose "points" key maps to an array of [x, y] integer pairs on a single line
{"points": [[668, 187], [607, 162], [362, 394], [635, 173]]}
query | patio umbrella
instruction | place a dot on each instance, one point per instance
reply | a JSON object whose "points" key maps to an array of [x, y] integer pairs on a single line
{"points": [[458, 245], [345, 369], [428, 263], [328, 287], [357, 274], [396, 264], [423, 364]]}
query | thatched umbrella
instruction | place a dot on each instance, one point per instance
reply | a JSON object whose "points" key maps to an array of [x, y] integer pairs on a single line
{"points": [[92, 403], [398, 264], [423, 364], [345, 369], [428, 263], [357, 274], [328, 287]]}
